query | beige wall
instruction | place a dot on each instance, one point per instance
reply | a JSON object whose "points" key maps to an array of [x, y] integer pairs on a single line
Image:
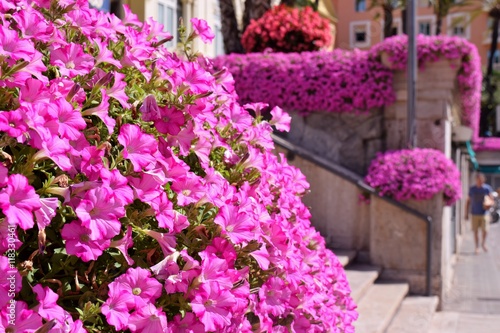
{"points": [[478, 32]]}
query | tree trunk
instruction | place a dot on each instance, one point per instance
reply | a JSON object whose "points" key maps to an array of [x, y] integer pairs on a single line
{"points": [[387, 21], [254, 9], [490, 89], [439, 24], [229, 29], [404, 20]]}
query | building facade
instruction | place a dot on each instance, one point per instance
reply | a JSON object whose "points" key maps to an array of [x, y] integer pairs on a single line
{"points": [[359, 27], [169, 13]]}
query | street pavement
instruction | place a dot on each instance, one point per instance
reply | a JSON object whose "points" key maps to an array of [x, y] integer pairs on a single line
{"points": [[473, 304]]}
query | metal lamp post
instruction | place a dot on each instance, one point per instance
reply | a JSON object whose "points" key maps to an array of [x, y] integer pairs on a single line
{"points": [[411, 10]]}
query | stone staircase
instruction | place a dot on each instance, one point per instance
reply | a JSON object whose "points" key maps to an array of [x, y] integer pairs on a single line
{"points": [[385, 307]]}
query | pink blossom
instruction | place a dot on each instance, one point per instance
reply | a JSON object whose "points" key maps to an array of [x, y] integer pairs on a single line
{"points": [[26, 321], [46, 212], [14, 48], [139, 283], [100, 212], [274, 296], [138, 146], [71, 60], [280, 119], [236, 223], [124, 244], [201, 28], [188, 324], [169, 121], [79, 242], [117, 306], [212, 305], [18, 201], [48, 308], [148, 319], [10, 281], [118, 186], [101, 111]]}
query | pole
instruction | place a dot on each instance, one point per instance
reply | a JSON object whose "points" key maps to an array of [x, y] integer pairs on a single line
{"points": [[411, 9]]}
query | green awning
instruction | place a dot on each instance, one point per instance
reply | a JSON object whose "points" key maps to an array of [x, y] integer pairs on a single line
{"points": [[477, 166]]}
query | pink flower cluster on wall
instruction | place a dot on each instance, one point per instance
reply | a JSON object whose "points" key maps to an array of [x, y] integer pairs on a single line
{"points": [[417, 174], [286, 29], [350, 81], [338, 81], [137, 194]]}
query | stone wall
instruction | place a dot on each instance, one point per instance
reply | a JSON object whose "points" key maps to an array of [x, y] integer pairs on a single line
{"points": [[347, 139], [334, 204]]}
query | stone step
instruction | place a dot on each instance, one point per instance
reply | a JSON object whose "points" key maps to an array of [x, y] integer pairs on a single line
{"points": [[414, 315], [345, 256], [378, 306], [361, 278]]}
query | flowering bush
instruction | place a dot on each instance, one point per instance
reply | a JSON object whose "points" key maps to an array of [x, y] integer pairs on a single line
{"points": [[136, 194], [287, 29], [416, 174], [338, 81], [342, 81]]}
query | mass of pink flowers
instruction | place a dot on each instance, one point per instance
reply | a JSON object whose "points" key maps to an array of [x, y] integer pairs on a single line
{"points": [[418, 174], [337, 81], [138, 195], [287, 29], [350, 81]]}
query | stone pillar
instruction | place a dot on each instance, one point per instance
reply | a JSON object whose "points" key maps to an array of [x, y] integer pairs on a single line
{"points": [[435, 109], [398, 242]]}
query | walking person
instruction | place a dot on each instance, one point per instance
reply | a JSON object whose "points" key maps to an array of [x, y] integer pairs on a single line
{"points": [[478, 203]]}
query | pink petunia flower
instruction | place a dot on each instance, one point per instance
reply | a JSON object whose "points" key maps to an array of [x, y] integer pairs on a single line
{"points": [[117, 306], [71, 60], [10, 281], [139, 283], [80, 243], [281, 120], [124, 244], [48, 307], [99, 211], [138, 146], [18, 201], [46, 212], [148, 319], [236, 223], [212, 305], [26, 321], [201, 28]]}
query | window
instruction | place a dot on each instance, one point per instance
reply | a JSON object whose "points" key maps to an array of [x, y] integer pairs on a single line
{"points": [[218, 42], [360, 5], [426, 24], [167, 15], [459, 25], [424, 28], [360, 34]]}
